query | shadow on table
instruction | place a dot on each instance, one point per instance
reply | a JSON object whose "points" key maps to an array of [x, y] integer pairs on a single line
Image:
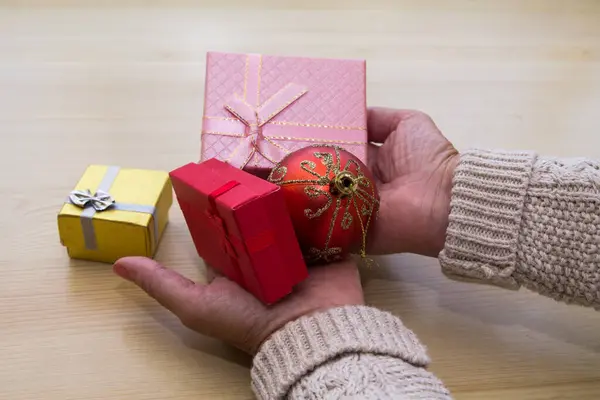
{"points": [[191, 339], [87, 277], [414, 279]]}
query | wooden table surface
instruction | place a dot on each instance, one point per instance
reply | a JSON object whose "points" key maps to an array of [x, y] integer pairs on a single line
{"points": [[122, 84]]}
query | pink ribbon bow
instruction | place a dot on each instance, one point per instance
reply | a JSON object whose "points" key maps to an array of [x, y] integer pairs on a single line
{"points": [[255, 118]]}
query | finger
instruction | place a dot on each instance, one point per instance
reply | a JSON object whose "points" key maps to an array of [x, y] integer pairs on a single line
{"points": [[346, 264], [383, 121], [339, 270], [342, 276], [372, 154], [212, 273], [170, 289]]}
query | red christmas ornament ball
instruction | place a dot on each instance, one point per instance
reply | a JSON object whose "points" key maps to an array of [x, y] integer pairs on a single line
{"points": [[332, 200]]}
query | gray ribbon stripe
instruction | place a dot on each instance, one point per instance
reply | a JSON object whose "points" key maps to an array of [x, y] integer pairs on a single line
{"points": [[109, 178], [89, 234]]}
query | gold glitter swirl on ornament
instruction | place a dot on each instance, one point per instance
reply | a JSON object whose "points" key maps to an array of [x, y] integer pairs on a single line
{"points": [[328, 255], [278, 173], [309, 166], [314, 192], [347, 220]]}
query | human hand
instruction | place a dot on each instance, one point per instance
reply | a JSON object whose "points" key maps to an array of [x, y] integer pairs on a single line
{"points": [[225, 311], [414, 168]]}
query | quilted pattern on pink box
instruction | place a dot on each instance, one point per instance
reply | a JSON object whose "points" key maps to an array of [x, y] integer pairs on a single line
{"points": [[336, 89], [335, 98], [220, 147], [224, 77]]}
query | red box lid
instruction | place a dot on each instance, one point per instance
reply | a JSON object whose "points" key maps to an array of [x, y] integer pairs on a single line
{"points": [[267, 260]]}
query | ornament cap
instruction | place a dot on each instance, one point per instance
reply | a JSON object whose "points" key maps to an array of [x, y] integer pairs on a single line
{"points": [[344, 183]]}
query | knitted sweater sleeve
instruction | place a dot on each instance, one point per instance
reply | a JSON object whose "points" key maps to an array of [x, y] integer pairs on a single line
{"points": [[520, 220], [346, 352]]}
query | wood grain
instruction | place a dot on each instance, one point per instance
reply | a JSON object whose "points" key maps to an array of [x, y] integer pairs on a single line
{"points": [[122, 83]]}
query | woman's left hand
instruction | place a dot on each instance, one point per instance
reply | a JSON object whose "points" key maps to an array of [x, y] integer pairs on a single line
{"points": [[225, 311]]}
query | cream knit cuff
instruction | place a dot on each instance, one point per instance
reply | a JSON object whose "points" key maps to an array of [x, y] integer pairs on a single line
{"points": [[304, 344], [488, 196]]}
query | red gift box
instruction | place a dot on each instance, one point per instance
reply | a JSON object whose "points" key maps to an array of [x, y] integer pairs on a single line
{"points": [[240, 226]]}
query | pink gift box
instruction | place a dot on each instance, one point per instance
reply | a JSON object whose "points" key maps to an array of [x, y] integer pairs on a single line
{"points": [[259, 108]]}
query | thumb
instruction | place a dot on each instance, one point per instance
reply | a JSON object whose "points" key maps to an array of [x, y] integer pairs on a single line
{"points": [[173, 291], [222, 309], [381, 122]]}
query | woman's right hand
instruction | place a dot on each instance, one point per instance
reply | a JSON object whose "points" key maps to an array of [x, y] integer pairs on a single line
{"points": [[414, 167]]}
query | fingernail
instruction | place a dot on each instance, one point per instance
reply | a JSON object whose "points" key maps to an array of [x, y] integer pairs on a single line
{"points": [[121, 271]]}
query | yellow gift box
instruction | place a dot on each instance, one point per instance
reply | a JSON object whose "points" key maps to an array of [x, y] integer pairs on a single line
{"points": [[115, 212]]}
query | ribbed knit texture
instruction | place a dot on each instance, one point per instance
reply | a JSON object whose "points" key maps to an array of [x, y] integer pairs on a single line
{"points": [[488, 194], [519, 220], [333, 340]]}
